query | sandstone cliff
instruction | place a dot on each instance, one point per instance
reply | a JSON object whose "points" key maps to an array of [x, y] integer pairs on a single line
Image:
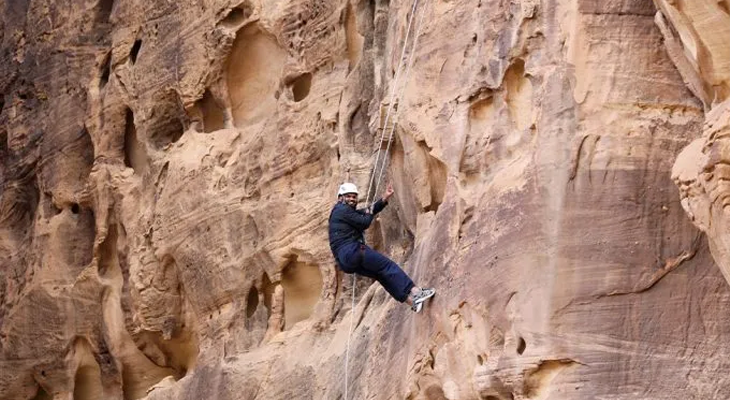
{"points": [[168, 167]]}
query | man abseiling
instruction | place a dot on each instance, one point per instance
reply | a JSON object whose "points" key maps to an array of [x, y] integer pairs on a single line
{"points": [[347, 225]]}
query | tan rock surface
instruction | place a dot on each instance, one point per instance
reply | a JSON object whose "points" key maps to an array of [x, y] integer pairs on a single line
{"points": [[168, 168], [697, 35]]}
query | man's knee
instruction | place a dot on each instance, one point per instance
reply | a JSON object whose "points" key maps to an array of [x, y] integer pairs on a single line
{"points": [[345, 267], [374, 260]]}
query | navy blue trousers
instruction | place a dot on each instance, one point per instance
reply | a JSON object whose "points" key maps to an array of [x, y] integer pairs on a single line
{"points": [[360, 259]]}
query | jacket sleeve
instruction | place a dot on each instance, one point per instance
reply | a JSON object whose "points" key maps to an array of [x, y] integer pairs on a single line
{"points": [[356, 218], [379, 206]]}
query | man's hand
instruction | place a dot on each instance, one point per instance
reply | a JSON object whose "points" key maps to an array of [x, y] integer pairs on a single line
{"points": [[388, 192]]}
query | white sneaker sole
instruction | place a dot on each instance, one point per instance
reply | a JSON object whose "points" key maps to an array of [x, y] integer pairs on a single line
{"points": [[418, 306]]}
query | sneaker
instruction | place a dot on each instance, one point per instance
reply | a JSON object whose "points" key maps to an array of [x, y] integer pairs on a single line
{"points": [[421, 296]]}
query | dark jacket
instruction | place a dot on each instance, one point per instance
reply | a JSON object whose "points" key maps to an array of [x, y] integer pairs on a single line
{"points": [[346, 225]]}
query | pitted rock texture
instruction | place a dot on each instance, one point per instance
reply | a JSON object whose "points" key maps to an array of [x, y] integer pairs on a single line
{"points": [[168, 169], [701, 172], [696, 35]]}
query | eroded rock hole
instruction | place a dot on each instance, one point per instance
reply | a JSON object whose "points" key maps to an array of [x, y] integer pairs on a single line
{"points": [[300, 86], [234, 17], [538, 381], [49, 209], [437, 175], [135, 50], [519, 95], [358, 123], [302, 283], [178, 353], [468, 215], [175, 131], [354, 40], [252, 302], [87, 383], [435, 391], [135, 156], [166, 126], [109, 254], [86, 156], [253, 72], [138, 379], [24, 200], [521, 345], [106, 71], [481, 111], [237, 16], [724, 6], [104, 10], [213, 116], [75, 208], [476, 149], [41, 394], [268, 288]]}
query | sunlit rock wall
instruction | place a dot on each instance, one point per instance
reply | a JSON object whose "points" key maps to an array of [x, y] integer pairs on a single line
{"points": [[168, 169]]}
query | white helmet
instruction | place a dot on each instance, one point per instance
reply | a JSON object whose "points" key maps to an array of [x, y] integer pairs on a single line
{"points": [[347, 187]]}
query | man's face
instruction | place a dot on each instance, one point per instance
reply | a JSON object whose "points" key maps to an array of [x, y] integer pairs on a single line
{"points": [[350, 199]]}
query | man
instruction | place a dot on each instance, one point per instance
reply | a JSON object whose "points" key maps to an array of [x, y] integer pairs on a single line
{"points": [[346, 227]]}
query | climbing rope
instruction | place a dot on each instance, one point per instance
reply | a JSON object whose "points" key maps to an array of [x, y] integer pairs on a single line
{"points": [[391, 103], [395, 120]]}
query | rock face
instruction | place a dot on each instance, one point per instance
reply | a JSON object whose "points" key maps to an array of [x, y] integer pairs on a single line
{"points": [[697, 35], [168, 168], [701, 173]]}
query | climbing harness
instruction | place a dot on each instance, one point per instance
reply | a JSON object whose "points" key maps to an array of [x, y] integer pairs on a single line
{"points": [[391, 103]]}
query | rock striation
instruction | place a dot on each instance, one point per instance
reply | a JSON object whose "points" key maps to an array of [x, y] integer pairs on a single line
{"points": [[167, 170]]}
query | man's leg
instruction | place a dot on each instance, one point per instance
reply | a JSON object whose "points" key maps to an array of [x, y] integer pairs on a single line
{"points": [[395, 281], [372, 275], [349, 258]]}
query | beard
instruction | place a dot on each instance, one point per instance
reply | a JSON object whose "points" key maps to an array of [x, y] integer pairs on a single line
{"points": [[351, 203]]}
